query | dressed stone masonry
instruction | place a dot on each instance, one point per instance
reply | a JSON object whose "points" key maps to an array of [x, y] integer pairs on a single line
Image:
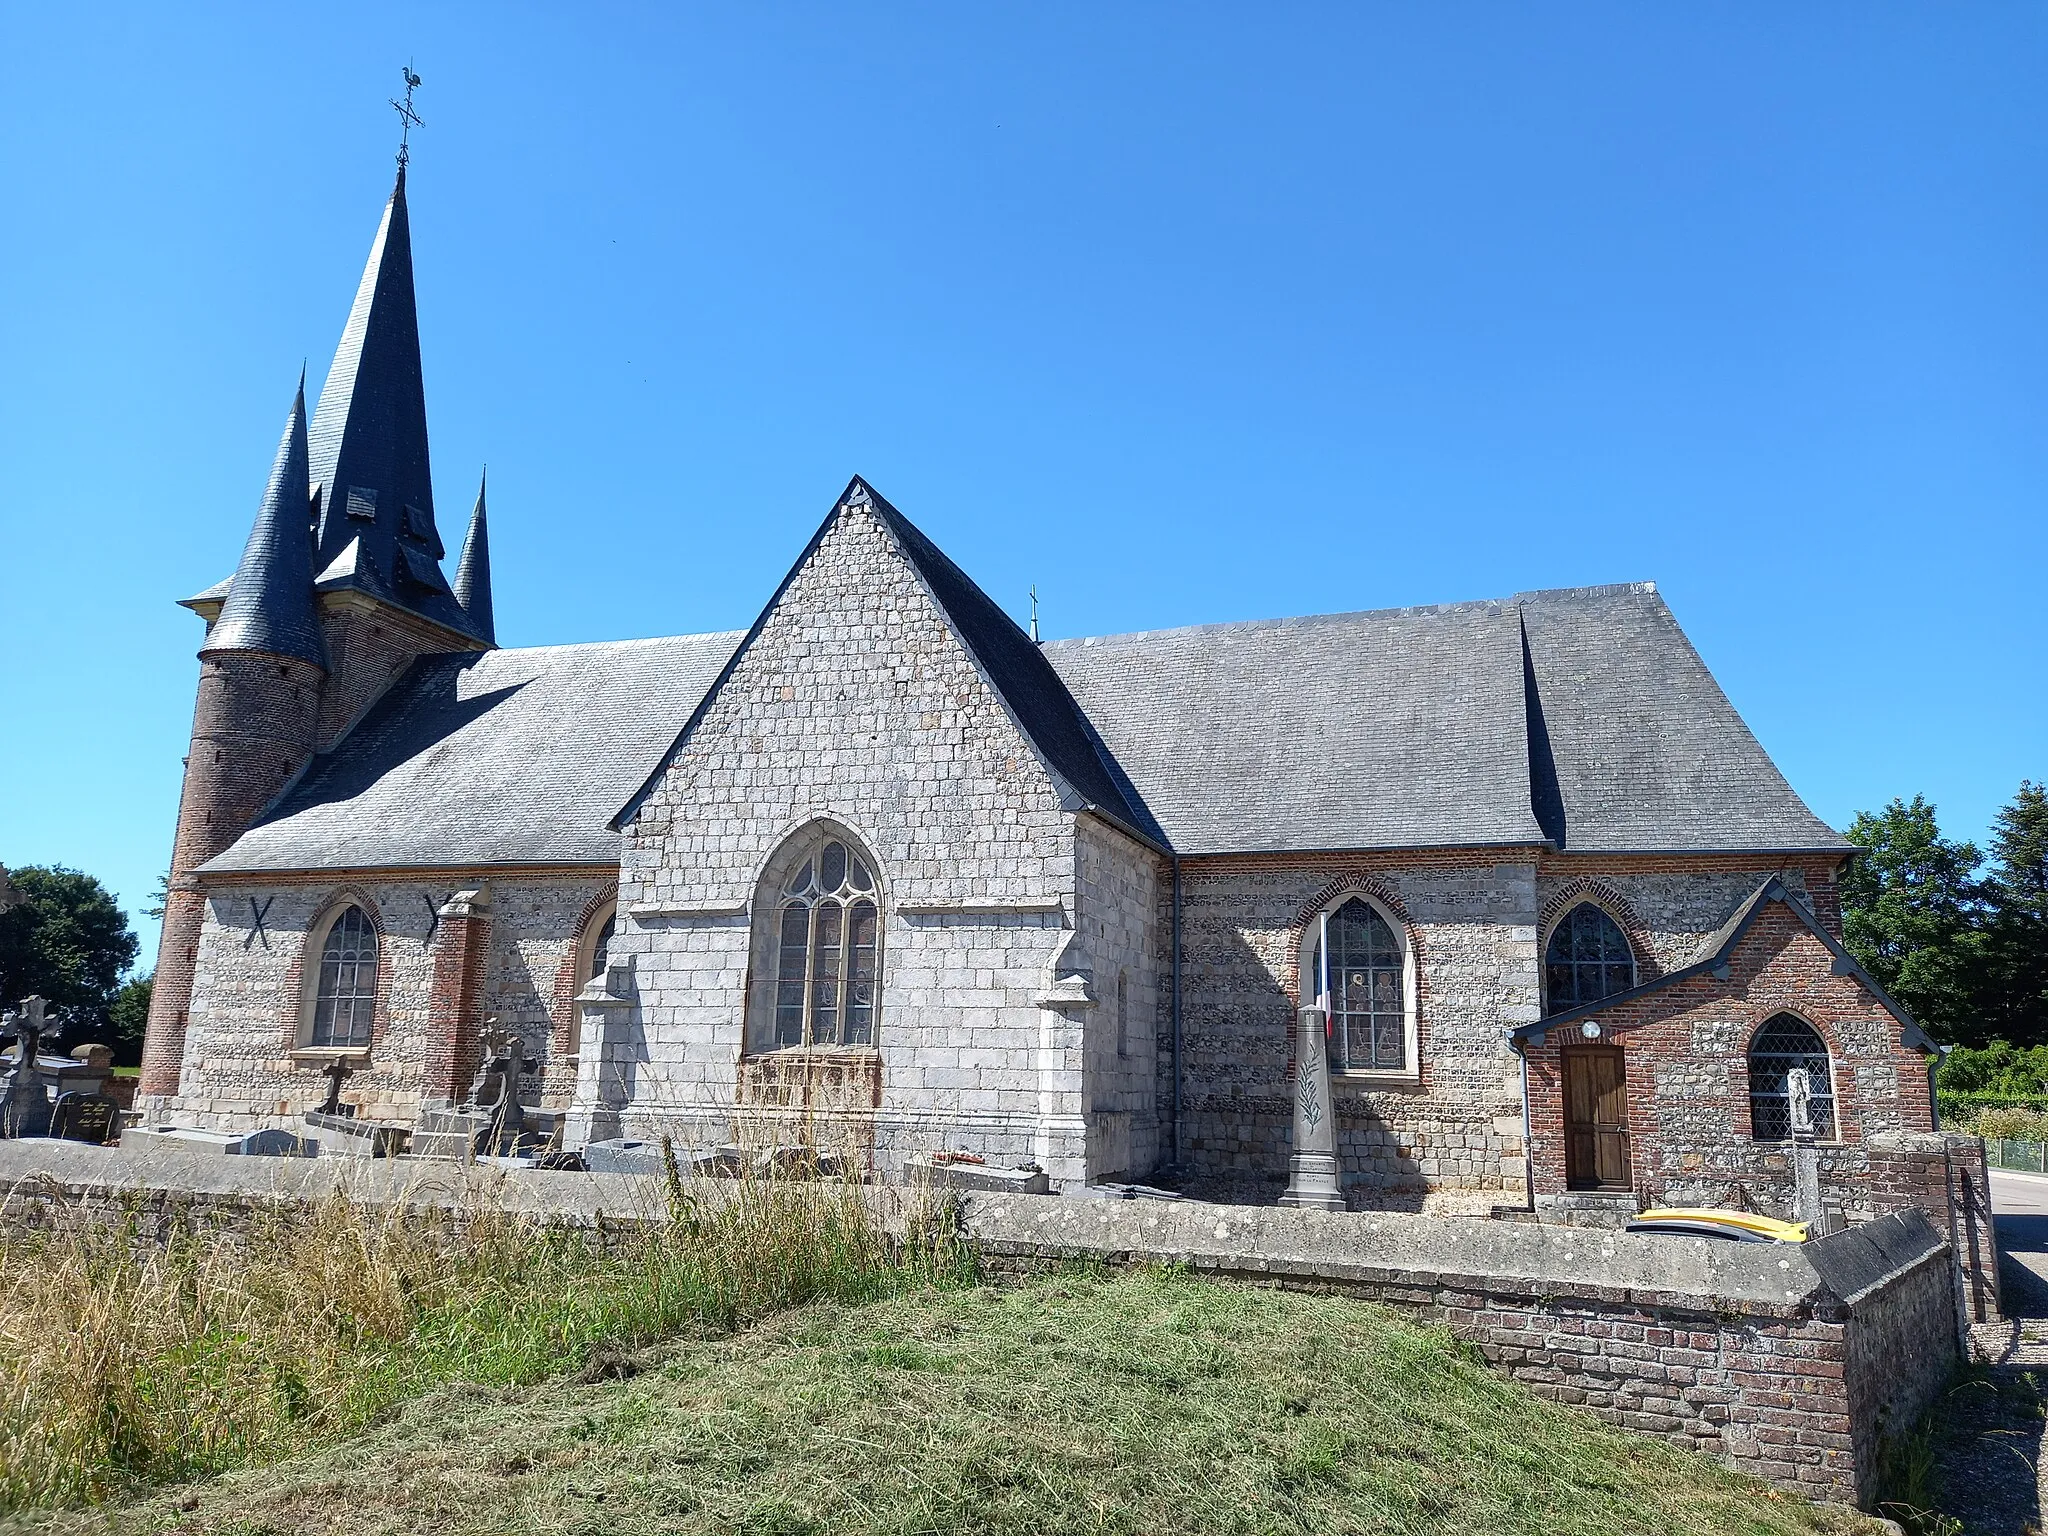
{"points": [[885, 877]]}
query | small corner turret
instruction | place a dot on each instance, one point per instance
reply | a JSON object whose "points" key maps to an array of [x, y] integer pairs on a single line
{"points": [[473, 571]]}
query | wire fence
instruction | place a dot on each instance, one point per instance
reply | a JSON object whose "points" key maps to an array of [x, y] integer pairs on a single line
{"points": [[2019, 1156]]}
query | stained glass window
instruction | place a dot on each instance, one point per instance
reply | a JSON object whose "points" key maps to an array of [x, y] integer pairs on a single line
{"points": [[1588, 959], [1367, 995], [827, 951], [345, 1003], [1783, 1043]]}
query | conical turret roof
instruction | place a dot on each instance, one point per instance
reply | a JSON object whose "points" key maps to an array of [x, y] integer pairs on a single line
{"points": [[269, 604], [368, 443], [473, 571]]}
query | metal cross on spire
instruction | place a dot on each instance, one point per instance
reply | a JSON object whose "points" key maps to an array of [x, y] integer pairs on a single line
{"points": [[407, 118]]}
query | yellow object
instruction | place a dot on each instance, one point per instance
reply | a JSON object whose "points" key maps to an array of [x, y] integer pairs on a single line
{"points": [[1779, 1231]]}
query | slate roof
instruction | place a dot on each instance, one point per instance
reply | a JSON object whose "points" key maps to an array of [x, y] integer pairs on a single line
{"points": [[497, 757], [369, 442], [1361, 730], [1580, 716], [267, 605], [473, 572], [1649, 755]]}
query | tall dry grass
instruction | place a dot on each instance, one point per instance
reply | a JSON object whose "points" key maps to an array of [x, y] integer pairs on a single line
{"points": [[125, 1362]]}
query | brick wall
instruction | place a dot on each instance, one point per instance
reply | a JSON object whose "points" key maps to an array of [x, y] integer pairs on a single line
{"points": [[1686, 1063], [252, 729]]}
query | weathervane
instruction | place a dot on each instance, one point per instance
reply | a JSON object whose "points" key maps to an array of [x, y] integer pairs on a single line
{"points": [[408, 119], [1034, 612]]}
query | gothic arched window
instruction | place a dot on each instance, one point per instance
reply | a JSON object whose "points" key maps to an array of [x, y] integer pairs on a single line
{"points": [[826, 954], [1588, 959], [345, 995], [1365, 987], [1787, 1041], [601, 931]]}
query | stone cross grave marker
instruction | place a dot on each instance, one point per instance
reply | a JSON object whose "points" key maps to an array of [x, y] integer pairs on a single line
{"points": [[1805, 1160], [337, 1072], [504, 1065], [25, 1105]]}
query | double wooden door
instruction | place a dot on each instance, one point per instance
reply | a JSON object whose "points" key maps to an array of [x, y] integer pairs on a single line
{"points": [[1595, 1118]]}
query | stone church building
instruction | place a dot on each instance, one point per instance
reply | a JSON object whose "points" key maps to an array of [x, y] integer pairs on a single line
{"points": [[884, 874]]}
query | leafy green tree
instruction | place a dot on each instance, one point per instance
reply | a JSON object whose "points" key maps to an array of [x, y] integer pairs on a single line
{"points": [[68, 941], [1910, 914], [129, 1012], [2015, 989]]}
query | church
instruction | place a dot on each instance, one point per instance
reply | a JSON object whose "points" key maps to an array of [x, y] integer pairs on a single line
{"points": [[886, 876]]}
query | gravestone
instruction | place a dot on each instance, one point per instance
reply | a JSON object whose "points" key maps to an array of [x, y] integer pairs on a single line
{"points": [[88, 1117], [24, 1101]]}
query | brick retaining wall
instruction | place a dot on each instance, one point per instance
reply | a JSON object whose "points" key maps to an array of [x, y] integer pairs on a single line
{"points": [[1792, 1362]]}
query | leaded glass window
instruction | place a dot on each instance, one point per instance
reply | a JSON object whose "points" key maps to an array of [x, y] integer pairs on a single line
{"points": [[1783, 1043], [345, 1000], [828, 951], [601, 951], [1588, 959], [1366, 991]]}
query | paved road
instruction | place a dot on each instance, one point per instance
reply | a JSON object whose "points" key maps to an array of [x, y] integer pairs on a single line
{"points": [[2019, 1203]]}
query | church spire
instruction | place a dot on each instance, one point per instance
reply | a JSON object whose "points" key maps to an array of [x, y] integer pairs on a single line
{"points": [[368, 442], [473, 571], [269, 606]]}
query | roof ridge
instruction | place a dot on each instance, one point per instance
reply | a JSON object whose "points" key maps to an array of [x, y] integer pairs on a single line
{"points": [[611, 645]]}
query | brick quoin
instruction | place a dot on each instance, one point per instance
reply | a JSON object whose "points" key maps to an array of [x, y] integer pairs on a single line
{"points": [[454, 1019]]}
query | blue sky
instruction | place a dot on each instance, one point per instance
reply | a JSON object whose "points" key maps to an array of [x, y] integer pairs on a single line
{"points": [[1183, 313]]}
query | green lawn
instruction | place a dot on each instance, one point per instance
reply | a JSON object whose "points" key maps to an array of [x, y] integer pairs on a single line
{"points": [[1141, 1403]]}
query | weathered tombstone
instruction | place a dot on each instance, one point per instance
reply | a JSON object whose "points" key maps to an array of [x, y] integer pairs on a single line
{"points": [[1312, 1181], [24, 1102], [89, 1117]]}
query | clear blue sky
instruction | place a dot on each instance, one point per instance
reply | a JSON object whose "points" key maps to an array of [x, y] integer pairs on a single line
{"points": [[1184, 313]]}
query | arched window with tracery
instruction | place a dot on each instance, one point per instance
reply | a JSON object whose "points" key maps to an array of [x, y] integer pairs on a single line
{"points": [[1787, 1041], [1365, 987], [345, 992], [601, 930], [1588, 958], [825, 958]]}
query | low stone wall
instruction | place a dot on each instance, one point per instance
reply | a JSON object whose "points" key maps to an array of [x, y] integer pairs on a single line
{"points": [[1792, 1362]]}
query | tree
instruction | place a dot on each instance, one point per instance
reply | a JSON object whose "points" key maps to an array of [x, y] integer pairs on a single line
{"points": [[1910, 914], [129, 1012], [2015, 992], [68, 941]]}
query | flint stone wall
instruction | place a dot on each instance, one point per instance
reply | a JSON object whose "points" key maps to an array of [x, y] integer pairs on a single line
{"points": [[248, 990], [1791, 1362]]}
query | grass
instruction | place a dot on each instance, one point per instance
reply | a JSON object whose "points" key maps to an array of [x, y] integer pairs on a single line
{"points": [[123, 1365], [1083, 1402]]}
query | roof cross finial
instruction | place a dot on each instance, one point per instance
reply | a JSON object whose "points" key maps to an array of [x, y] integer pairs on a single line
{"points": [[1034, 612], [407, 118]]}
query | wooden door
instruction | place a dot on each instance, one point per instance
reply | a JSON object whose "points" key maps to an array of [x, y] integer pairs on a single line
{"points": [[1595, 1119]]}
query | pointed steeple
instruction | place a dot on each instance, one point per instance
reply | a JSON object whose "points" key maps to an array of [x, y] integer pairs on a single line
{"points": [[269, 605], [369, 443], [473, 571]]}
